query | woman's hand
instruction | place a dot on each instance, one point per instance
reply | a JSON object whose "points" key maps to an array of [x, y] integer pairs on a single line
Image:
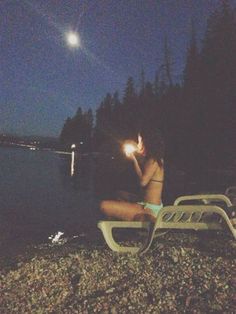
{"points": [[136, 165], [130, 155], [129, 148]]}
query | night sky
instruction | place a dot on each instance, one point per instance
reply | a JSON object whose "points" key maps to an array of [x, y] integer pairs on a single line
{"points": [[43, 81]]}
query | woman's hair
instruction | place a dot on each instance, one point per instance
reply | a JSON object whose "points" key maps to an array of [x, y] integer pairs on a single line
{"points": [[154, 145]]}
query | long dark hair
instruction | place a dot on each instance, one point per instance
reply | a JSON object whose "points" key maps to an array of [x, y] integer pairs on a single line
{"points": [[154, 145]]}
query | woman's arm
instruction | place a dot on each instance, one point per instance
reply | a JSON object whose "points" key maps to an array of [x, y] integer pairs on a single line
{"points": [[150, 168], [137, 167]]}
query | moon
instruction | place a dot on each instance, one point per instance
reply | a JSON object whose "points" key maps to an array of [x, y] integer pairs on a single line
{"points": [[73, 39]]}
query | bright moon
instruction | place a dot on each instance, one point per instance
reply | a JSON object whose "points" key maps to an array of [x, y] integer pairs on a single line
{"points": [[73, 39]]}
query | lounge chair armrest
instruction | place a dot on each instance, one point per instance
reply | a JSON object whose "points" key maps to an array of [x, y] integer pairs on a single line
{"points": [[124, 224], [231, 190], [205, 198]]}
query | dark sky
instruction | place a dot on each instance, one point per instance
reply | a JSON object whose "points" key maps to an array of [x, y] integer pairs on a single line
{"points": [[43, 81]]}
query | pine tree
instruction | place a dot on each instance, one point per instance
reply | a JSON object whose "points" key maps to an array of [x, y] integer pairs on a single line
{"points": [[88, 129], [129, 109], [167, 62], [78, 130], [65, 133], [103, 128], [191, 109], [191, 71], [142, 81], [117, 120], [218, 84]]}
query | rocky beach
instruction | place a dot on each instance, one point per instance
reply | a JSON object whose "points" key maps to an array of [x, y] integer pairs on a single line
{"points": [[183, 272]]}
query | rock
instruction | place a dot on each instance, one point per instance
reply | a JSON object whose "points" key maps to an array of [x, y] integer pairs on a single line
{"points": [[111, 290], [113, 310], [75, 280]]}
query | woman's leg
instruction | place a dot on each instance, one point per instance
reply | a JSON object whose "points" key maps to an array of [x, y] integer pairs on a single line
{"points": [[127, 196], [125, 211]]}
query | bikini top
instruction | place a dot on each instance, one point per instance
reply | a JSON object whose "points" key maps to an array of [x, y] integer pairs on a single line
{"points": [[157, 180]]}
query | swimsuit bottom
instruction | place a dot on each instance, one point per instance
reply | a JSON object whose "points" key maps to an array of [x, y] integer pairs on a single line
{"points": [[153, 207]]}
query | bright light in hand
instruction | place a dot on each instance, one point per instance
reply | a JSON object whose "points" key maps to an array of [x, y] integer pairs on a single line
{"points": [[73, 40], [129, 149]]}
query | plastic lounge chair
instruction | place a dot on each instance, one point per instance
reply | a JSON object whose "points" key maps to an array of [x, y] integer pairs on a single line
{"points": [[230, 192], [169, 217], [220, 200], [205, 199]]}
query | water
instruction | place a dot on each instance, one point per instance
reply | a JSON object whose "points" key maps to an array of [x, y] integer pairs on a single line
{"points": [[39, 197]]}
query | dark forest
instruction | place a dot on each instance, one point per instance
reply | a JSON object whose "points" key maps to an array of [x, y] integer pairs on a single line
{"points": [[196, 116]]}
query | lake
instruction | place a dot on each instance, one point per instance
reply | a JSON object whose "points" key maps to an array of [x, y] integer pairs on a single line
{"points": [[38, 196]]}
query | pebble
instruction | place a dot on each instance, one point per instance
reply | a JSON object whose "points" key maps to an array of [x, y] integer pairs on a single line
{"points": [[159, 281]]}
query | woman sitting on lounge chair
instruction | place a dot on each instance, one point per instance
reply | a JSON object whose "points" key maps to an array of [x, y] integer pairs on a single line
{"points": [[151, 178]]}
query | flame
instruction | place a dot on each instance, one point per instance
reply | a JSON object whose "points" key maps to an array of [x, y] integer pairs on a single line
{"points": [[140, 142]]}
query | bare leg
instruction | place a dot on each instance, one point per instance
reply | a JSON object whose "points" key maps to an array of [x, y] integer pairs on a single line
{"points": [[126, 196], [125, 211]]}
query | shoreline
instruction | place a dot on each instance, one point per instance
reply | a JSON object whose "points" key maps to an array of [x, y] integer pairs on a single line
{"points": [[182, 272]]}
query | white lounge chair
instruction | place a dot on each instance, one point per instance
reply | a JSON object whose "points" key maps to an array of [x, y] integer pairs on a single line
{"points": [[230, 192], [176, 216]]}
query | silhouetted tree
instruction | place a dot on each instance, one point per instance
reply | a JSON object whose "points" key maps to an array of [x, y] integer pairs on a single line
{"points": [[129, 109], [218, 85], [198, 118], [167, 62], [191, 117], [103, 129], [142, 80], [117, 116], [88, 129], [66, 132], [78, 130]]}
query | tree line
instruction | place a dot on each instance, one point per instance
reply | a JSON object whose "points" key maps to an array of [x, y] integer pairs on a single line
{"points": [[197, 116]]}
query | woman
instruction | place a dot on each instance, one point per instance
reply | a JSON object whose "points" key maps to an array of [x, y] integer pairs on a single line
{"points": [[151, 178]]}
